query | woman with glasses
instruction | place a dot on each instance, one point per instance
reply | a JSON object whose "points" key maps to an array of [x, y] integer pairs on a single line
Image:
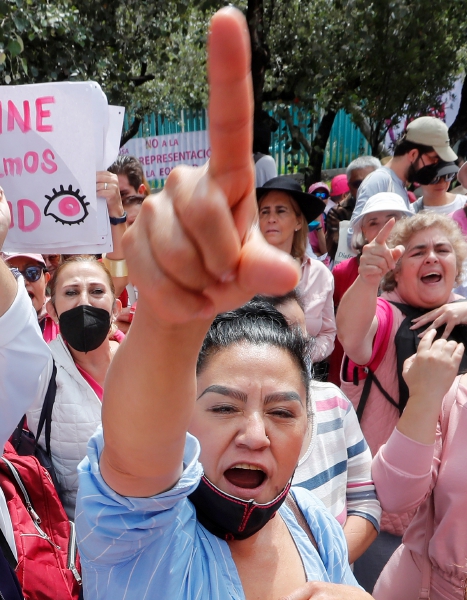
{"points": [[284, 213], [436, 197]]}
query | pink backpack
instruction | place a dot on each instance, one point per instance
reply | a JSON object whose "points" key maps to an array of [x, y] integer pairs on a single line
{"points": [[48, 563]]}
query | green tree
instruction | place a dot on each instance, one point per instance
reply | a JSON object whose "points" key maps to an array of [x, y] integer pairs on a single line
{"points": [[113, 43], [378, 60]]}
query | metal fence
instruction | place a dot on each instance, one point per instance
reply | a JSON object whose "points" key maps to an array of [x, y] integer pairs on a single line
{"points": [[345, 143]]}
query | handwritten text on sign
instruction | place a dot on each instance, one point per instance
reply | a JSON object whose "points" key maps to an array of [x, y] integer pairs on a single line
{"points": [[47, 163], [159, 155]]}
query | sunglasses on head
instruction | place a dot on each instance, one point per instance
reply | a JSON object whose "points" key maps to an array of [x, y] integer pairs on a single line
{"points": [[322, 195], [32, 274], [449, 177]]}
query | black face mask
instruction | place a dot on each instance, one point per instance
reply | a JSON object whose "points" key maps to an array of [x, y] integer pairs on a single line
{"points": [[423, 176], [231, 518], [84, 327]]}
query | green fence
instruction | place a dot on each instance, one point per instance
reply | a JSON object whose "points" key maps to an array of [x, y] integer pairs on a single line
{"points": [[345, 143]]}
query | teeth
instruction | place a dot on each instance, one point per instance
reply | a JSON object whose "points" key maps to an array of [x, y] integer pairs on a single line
{"points": [[246, 466]]}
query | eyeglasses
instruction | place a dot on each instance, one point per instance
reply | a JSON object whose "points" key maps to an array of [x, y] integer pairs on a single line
{"points": [[322, 195], [356, 184], [32, 274], [448, 178]]}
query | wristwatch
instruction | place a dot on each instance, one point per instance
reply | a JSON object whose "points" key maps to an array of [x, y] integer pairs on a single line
{"points": [[118, 220]]}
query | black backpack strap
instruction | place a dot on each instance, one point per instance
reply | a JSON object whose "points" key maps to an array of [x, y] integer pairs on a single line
{"points": [[7, 551], [370, 379], [46, 412], [15, 439]]}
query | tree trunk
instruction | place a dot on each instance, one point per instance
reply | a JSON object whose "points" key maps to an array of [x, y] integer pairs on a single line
{"points": [[459, 128], [259, 51], [319, 146], [360, 121]]}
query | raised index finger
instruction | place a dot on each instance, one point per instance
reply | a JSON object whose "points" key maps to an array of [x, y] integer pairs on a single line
{"points": [[385, 232], [230, 104]]}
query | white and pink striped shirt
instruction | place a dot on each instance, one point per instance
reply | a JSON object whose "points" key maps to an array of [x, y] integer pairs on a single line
{"points": [[337, 463]]}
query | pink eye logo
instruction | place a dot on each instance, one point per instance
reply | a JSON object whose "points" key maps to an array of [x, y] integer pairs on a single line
{"points": [[66, 206]]}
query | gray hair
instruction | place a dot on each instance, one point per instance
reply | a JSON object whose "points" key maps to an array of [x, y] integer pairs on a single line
{"points": [[362, 162]]}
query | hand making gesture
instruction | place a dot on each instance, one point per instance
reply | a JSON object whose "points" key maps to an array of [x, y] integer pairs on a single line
{"points": [[377, 258], [195, 249]]}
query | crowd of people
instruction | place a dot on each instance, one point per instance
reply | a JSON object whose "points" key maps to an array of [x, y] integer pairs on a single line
{"points": [[259, 393]]}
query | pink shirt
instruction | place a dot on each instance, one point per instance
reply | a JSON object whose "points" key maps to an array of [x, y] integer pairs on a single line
{"points": [[98, 389], [461, 219], [316, 288], [405, 471]]}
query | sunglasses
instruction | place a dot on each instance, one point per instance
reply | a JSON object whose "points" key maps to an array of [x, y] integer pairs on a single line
{"points": [[322, 195], [32, 274], [449, 177]]}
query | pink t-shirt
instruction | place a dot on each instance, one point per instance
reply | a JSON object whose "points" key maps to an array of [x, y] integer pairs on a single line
{"points": [[98, 389], [118, 336], [385, 318]]}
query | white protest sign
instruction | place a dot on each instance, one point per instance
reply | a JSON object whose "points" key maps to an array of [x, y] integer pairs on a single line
{"points": [[53, 141], [159, 155]]}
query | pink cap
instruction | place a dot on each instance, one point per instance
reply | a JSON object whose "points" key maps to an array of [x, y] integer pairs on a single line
{"points": [[37, 257], [320, 185], [339, 185]]}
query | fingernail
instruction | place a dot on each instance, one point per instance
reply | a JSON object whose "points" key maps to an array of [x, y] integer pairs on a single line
{"points": [[228, 277]]}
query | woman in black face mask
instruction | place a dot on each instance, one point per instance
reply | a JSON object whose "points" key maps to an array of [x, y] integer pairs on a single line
{"points": [[83, 304], [149, 525]]}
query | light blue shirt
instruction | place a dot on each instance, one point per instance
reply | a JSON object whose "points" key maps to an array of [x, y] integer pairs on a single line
{"points": [[381, 180], [151, 548]]}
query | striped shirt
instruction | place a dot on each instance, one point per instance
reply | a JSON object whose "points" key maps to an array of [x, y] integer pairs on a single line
{"points": [[337, 463], [154, 548]]}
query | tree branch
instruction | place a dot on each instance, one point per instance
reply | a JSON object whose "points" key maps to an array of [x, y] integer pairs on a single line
{"points": [[131, 131]]}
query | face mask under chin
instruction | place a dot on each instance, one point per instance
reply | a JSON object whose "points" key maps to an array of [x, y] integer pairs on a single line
{"points": [[231, 518], [84, 327]]}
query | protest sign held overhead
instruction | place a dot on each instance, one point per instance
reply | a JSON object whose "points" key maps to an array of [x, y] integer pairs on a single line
{"points": [[55, 137]]}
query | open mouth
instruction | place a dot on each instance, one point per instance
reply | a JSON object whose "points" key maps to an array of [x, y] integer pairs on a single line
{"points": [[245, 476], [31, 295], [431, 278]]}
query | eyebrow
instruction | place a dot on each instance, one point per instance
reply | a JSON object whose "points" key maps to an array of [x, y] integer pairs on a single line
{"points": [[239, 395], [223, 390], [282, 397], [423, 246]]}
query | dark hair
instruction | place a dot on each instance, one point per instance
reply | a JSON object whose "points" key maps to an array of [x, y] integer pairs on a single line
{"points": [[276, 301], [257, 323], [462, 149], [403, 146], [131, 167], [136, 199]]}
